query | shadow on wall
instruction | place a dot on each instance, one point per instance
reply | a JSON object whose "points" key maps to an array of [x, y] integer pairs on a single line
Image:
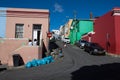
{"points": [[44, 50], [53, 45], [95, 72]]}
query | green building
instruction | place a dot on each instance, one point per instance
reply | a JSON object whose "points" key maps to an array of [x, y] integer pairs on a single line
{"points": [[79, 28]]}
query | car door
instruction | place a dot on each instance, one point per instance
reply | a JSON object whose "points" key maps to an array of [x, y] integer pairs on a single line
{"points": [[87, 46]]}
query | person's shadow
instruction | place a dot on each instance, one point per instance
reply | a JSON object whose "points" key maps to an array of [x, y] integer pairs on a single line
{"points": [[95, 72]]}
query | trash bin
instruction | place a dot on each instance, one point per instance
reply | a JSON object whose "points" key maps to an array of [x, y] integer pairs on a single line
{"points": [[16, 60]]}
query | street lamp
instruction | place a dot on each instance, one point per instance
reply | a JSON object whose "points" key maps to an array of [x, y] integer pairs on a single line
{"points": [[71, 27]]}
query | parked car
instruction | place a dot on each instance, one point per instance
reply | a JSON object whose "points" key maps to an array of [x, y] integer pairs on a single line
{"points": [[81, 43], [77, 44], [94, 48], [66, 40]]}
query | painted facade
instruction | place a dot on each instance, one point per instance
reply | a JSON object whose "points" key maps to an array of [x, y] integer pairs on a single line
{"points": [[67, 28], [21, 26], [107, 30], [2, 22], [62, 32], [61, 29], [79, 28], [56, 34]]}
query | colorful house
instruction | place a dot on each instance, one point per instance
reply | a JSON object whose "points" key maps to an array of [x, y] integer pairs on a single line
{"points": [[79, 28], [107, 30], [18, 27], [67, 28]]}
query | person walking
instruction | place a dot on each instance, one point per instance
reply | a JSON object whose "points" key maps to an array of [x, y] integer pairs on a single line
{"points": [[35, 42], [60, 52], [30, 42], [65, 44]]}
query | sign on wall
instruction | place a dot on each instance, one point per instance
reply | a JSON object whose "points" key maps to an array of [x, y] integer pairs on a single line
{"points": [[49, 34]]}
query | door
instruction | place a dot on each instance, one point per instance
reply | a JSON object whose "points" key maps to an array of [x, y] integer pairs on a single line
{"points": [[36, 33]]}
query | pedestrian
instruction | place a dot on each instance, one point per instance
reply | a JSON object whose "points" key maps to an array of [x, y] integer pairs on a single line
{"points": [[35, 42], [60, 52], [30, 42], [65, 44]]}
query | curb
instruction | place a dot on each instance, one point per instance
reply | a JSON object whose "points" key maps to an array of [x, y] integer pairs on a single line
{"points": [[13, 68], [113, 55]]}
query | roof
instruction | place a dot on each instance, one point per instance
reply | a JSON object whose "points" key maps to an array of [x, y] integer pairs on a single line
{"points": [[116, 8], [27, 10]]}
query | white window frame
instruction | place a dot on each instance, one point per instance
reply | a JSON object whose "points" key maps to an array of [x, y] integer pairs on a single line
{"points": [[19, 30]]}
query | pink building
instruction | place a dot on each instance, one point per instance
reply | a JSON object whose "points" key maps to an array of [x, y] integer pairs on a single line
{"points": [[20, 26]]}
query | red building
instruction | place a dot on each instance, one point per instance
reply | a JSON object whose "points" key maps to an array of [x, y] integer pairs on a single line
{"points": [[107, 31]]}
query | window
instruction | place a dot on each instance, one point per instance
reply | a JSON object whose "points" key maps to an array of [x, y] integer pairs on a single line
{"points": [[19, 30], [37, 26]]}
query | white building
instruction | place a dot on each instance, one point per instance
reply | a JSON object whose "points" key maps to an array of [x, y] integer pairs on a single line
{"points": [[56, 34]]}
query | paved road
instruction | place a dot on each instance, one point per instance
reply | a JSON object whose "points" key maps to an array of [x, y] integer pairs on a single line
{"points": [[76, 65]]}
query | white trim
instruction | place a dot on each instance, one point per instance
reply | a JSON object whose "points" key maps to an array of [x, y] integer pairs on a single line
{"points": [[40, 38], [91, 32], [41, 35], [116, 14]]}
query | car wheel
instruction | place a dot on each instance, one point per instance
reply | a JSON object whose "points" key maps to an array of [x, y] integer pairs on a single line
{"points": [[80, 46], [90, 52]]}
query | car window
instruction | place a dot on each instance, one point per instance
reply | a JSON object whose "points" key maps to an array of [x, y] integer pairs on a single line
{"points": [[95, 44], [83, 41], [66, 38], [87, 44]]}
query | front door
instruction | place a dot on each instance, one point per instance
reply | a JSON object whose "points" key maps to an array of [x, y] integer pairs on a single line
{"points": [[36, 33]]}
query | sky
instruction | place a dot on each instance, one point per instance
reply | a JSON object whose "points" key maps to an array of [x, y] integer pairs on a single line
{"points": [[62, 10]]}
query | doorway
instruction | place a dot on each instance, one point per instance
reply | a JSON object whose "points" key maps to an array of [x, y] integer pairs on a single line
{"points": [[36, 33]]}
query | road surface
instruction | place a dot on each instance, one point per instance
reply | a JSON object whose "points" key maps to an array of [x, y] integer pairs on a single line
{"points": [[76, 65]]}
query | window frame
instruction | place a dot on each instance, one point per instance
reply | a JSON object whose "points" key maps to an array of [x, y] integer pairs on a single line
{"points": [[19, 30]]}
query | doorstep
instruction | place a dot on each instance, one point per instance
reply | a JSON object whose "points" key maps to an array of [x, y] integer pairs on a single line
{"points": [[13, 68]]}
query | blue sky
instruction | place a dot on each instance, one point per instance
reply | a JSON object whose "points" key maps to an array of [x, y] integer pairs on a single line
{"points": [[62, 10]]}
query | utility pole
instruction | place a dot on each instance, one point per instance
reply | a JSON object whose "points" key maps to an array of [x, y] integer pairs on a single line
{"points": [[75, 14], [91, 15]]}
